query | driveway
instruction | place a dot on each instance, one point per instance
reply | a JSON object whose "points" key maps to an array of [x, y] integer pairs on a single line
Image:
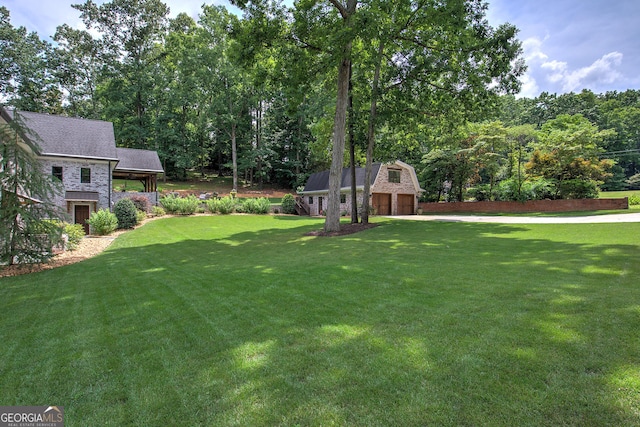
{"points": [[591, 219]]}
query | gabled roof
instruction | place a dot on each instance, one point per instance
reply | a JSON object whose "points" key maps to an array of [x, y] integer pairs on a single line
{"points": [[62, 136], [134, 160], [319, 181]]}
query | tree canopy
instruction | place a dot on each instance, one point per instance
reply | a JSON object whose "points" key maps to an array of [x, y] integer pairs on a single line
{"points": [[277, 93]]}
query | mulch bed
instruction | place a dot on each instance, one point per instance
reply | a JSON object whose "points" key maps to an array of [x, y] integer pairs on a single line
{"points": [[344, 230]]}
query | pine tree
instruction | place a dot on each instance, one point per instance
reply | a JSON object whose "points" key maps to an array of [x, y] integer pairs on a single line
{"points": [[29, 225]]}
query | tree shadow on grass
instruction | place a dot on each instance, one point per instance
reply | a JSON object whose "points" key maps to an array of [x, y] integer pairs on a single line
{"points": [[405, 324]]}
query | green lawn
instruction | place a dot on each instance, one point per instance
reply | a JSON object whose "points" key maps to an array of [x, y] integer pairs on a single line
{"points": [[244, 321]]}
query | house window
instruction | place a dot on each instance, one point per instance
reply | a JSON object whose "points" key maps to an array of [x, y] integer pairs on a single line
{"points": [[343, 198], [56, 171], [85, 175], [310, 200], [394, 175]]}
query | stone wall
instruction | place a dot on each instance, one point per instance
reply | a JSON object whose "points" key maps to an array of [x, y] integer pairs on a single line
{"points": [[530, 206], [151, 196]]}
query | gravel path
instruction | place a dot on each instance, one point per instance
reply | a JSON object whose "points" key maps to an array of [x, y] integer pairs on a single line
{"points": [[591, 219]]}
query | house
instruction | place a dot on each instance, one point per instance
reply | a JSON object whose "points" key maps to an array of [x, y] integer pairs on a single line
{"points": [[394, 189], [82, 154]]}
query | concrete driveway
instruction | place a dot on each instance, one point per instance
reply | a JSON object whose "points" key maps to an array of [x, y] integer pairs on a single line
{"points": [[591, 219]]}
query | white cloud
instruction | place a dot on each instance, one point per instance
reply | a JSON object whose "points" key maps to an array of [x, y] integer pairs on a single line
{"points": [[532, 49], [603, 71], [529, 87]]}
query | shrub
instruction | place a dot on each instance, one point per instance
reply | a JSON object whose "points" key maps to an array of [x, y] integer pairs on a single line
{"points": [[158, 211], [141, 203], [225, 205], [480, 192], [180, 205], [126, 213], [140, 216], [259, 206], [634, 200], [579, 189], [102, 222], [288, 204], [75, 233]]}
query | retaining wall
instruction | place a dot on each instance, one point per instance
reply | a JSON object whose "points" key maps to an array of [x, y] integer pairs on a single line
{"points": [[573, 205]]}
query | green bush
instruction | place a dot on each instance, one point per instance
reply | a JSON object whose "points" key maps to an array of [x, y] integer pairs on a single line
{"points": [[288, 204], [75, 233], [140, 216], [158, 211], [480, 192], [579, 189], [180, 205], [126, 213], [634, 200], [258, 206], [102, 222], [225, 205]]}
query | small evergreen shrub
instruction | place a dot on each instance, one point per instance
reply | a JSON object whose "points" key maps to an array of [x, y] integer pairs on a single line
{"points": [[140, 216], [579, 189], [180, 205], [258, 206], [158, 211], [634, 200], [126, 213], [75, 233], [141, 203], [224, 206], [288, 204], [102, 222]]}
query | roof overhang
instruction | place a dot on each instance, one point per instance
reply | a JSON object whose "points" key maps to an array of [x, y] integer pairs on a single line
{"points": [[103, 159]]}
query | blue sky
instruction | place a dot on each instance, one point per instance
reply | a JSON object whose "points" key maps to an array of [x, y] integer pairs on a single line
{"points": [[569, 45]]}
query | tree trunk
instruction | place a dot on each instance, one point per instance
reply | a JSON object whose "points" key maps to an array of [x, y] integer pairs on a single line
{"points": [[332, 222], [371, 136], [352, 154], [234, 156]]}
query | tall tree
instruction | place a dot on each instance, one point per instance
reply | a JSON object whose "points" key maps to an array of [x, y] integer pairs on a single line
{"points": [[26, 194], [130, 31], [26, 81], [79, 60]]}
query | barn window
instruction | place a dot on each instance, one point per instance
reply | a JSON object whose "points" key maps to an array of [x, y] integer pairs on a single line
{"points": [[343, 198], [394, 175], [85, 175], [310, 200]]}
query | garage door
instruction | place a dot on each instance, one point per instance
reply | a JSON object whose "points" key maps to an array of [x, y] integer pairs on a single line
{"points": [[382, 203], [405, 204]]}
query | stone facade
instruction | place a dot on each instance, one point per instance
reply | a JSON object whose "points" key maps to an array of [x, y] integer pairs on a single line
{"points": [[318, 203], [100, 180]]}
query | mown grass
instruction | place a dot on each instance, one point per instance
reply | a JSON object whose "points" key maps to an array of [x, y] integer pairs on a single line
{"points": [[243, 320]]}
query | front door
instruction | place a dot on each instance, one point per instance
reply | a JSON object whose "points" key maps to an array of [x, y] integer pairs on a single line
{"points": [[81, 215]]}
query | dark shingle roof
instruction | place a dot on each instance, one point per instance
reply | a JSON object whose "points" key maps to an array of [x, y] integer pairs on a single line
{"points": [[69, 136], [319, 181], [134, 160]]}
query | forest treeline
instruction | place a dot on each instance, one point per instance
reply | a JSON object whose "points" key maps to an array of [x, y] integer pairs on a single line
{"points": [[258, 91]]}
